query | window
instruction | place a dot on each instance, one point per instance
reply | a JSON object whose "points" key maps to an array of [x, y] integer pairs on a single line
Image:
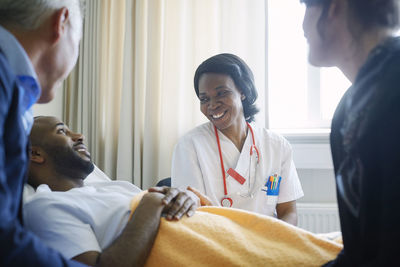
{"points": [[300, 96]]}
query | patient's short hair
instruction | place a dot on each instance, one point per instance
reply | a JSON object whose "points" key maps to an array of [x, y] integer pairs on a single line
{"points": [[35, 136]]}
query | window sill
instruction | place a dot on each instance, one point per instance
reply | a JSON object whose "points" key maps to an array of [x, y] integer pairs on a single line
{"points": [[311, 147], [305, 136]]}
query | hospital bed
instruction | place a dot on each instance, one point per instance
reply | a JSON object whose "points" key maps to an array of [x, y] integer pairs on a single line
{"points": [[218, 236]]}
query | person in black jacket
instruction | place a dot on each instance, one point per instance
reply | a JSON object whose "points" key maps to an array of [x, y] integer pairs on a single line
{"points": [[358, 37]]}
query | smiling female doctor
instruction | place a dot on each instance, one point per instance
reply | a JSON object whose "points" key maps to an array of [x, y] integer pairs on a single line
{"points": [[229, 159]]}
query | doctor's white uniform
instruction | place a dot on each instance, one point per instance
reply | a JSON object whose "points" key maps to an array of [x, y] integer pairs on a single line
{"points": [[196, 162]]}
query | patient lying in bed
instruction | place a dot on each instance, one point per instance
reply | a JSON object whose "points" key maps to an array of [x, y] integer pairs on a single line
{"points": [[91, 222]]}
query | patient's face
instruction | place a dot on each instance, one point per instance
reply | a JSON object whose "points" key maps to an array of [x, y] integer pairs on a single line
{"points": [[64, 148]]}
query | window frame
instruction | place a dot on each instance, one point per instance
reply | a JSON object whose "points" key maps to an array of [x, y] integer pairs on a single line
{"points": [[316, 129]]}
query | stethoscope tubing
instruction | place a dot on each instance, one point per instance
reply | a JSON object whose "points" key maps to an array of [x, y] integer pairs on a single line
{"points": [[222, 161]]}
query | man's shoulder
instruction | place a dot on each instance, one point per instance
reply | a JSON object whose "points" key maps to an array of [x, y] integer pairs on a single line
{"points": [[7, 77], [272, 138], [202, 131], [44, 197], [196, 138], [49, 203]]}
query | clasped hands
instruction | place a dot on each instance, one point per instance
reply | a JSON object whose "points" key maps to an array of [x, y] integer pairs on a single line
{"points": [[178, 202]]}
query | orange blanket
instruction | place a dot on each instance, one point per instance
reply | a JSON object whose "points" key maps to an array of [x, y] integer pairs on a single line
{"points": [[217, 236]]}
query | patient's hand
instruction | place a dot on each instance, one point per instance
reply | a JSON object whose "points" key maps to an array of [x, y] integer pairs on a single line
{"points": [[204, 200], [177, 202]]}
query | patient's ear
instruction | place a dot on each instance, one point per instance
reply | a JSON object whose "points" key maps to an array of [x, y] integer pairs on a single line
{"points": [[36, 155]]}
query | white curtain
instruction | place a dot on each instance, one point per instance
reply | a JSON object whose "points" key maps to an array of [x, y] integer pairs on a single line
{"points": [[132, 93], [81, 101]]}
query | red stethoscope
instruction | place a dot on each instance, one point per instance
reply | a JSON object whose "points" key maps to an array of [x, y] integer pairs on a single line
{"points": [[227, 201]]}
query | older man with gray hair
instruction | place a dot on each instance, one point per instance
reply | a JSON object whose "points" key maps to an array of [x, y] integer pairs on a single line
{"points": [[39, 43]]}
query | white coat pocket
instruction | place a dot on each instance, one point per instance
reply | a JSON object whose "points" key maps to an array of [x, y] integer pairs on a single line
{"points": [[272, 200]]}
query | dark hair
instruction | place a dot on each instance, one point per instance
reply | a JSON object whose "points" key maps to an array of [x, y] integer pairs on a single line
{"points": [[372, 13], [240, 73], [367, 14]]}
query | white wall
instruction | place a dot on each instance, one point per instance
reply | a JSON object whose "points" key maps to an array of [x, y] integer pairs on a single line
{"points": [[54, 108], [314, 166], [318, 185]]}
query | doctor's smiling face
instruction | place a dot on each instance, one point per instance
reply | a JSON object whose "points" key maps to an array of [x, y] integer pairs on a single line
{"points": [[220, 100], [225, 86]]}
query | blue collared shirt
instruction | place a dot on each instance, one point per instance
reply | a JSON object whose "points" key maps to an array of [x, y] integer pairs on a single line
{"points": [[26, 75], [19, 90]]}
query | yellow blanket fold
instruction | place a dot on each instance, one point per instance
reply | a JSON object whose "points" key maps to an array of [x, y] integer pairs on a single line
{"points": [[217, 236]]}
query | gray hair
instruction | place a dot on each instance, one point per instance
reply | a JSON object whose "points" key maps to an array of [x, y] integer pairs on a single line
{"points": [[30, 14]]}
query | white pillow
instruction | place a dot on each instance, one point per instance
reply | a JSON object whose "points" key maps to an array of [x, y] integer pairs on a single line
{"points": [[29, 191], [96, 176]]}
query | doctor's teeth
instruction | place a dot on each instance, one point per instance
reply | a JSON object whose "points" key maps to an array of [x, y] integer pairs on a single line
{"points": [[217, 116], [81, 149]]}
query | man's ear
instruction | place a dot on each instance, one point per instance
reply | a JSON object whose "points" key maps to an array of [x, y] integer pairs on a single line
{"points": [[59, 21], [37, 155]]}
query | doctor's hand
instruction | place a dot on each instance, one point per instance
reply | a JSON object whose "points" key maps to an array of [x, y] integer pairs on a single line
{"points": [[204, 200], [177, 202]]}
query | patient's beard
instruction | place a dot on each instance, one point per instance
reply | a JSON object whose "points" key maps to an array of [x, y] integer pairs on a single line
{"points": [[67, 162]]}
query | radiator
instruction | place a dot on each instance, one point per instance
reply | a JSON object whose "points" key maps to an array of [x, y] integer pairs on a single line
{"points": [[318, 217]]}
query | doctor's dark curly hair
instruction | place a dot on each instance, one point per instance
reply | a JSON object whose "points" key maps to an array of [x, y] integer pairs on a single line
{"points": [[365, 14], [239, 72]]}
